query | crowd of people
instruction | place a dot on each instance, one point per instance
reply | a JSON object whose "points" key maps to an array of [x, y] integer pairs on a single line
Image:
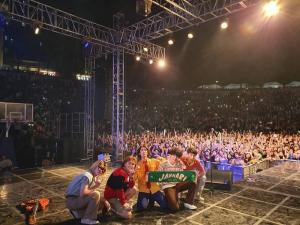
{"points": [[252, 123], [259, 110], [236, 148]]}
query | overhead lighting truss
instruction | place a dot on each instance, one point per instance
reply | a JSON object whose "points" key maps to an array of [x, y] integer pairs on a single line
{"points": [[58, 21], [182, 14]]}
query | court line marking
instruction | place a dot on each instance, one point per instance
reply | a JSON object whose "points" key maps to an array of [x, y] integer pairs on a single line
{"points": [[272, 210]]}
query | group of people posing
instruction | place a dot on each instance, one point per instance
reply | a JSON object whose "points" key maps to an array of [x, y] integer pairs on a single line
{"points": [[84, 199]]}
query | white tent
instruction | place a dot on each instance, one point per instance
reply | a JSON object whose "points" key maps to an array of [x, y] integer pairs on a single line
{"points": [[294, 84], [210, 86], [273, 84], [235, 86]]}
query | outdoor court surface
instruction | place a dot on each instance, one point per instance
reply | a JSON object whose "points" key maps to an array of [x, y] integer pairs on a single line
{"points": [[271, 197]]}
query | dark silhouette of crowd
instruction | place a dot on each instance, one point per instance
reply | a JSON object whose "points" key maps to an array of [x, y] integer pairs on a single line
{"points": [[28, 144], [258, 110], [49, 95]]}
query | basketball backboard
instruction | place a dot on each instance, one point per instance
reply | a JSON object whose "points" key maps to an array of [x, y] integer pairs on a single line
{"points": [[16, 112]]}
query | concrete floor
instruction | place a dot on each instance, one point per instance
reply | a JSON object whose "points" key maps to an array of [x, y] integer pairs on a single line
{"points": [[270, 197]]}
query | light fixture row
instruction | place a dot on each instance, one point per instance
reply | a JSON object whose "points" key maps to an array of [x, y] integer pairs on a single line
{"points": [[161, 63]]}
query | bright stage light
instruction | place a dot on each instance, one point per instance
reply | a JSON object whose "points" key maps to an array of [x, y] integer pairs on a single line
{"points": [[224, 25], [86, 44], [150, 61], [170, 42], [161, 63], [190, 35], [137, 58], [271, 8], [145, 49], [37, 30]]}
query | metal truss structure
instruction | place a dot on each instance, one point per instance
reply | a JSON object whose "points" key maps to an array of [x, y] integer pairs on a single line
{"points": [[182, 14], [89, 107], [49, 18], [134, 39]]}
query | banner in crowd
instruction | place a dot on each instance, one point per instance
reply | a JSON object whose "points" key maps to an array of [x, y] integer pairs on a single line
{"points": [[172, 176]]}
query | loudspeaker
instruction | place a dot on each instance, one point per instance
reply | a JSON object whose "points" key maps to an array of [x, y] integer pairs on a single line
{"points": [[219, 179]]}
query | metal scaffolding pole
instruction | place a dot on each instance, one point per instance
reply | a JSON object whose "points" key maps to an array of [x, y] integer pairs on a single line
{"points": [[89, 108], [118, 105]]}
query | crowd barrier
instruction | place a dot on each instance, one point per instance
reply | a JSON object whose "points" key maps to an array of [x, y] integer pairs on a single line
{"points": [[241, 172]]}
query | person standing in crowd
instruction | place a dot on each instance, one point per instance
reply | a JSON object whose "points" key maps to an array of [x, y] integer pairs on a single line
{"points": [[149, 192], [120, 188], [191, 163], [82, 197], [172, 190]]}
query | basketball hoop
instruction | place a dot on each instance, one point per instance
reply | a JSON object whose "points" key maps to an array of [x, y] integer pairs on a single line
{"points": [[15, 113]]}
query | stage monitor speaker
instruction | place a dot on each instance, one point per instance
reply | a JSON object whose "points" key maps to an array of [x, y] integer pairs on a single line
{"points": [[219, 179]]}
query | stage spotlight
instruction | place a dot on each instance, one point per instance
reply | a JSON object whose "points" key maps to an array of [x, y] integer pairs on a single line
{"points": [[271, 8], [145, 49], [224, 25], [137, 58], [161, 63], [190, 35], [86, 44], [150, 61], [170, 42], [37, 30]]}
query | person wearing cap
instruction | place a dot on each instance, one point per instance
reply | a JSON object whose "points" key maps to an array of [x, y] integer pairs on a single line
{"points": [[149, 192], [171, 190], [82, 195], [120, 189], [191, 163]]}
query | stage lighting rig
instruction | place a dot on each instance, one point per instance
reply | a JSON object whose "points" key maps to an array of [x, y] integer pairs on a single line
{"points": [[170, 42], [224, 25], [143, 7], [190, 35], [271, 8]]}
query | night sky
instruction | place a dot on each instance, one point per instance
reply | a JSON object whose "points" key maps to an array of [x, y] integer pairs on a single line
{"points": [[253, 49]]}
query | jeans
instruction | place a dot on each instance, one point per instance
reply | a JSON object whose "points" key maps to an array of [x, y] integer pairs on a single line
{"points": [[172, 194], [146, 200]]}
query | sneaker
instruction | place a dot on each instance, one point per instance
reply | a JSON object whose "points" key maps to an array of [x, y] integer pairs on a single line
{"points": [[89, 221], [201, 199], [189, 206], [75, 214]]}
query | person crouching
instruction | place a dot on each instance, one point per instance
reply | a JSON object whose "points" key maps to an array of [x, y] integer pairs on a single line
{"points": [[82, 196], [120, 188], [149, 192], [172, 190]]}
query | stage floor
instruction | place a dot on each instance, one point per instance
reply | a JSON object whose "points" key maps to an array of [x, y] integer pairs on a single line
{"points": [[270, 197]]}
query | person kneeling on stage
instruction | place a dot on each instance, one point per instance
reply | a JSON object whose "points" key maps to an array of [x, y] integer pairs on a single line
{"points": [[171, 190], [120, 188], [82, 197], [191, 163], [149, 192]]}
